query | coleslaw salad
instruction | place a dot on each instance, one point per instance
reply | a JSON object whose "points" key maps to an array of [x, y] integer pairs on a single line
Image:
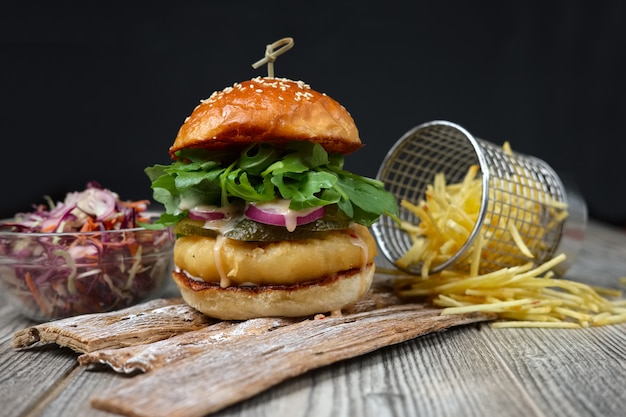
{"points": [[86, 254]]}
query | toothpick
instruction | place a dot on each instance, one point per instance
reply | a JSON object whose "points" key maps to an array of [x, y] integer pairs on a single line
{"points": [[272, 51]]}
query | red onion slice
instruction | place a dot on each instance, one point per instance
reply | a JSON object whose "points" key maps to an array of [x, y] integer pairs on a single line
{"points": [[206, 214], [98, 203], [60, 213], [277, 215]]}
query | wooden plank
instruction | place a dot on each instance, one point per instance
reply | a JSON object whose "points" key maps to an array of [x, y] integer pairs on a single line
{"points": [[465, 371], [602, 259], [446, 373], [242, 368], [440, 374], [586, 376], [147, 357], [10, 320], [70, 396], [141, 324], [27, 377], [45, 380], [186, 338], [19, 394]]}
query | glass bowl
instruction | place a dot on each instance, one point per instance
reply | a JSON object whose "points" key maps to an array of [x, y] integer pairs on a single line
{"points": [[48, 276]]}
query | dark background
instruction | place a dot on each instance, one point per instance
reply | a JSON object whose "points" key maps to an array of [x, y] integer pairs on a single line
{"points": [[98, 93]]}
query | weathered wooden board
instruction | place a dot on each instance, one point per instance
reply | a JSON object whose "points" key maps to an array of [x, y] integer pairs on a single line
{"points": [[138, 325], [472, 371], [194, 366], [226, 373]]}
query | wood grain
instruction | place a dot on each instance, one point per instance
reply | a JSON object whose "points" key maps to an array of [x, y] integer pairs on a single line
{"points": [[147, 357], [465, 371], [145, 323], [179, 349], [211, 379], [586, 377]]}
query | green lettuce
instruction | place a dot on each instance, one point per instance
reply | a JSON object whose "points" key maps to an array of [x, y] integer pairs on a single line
{"points": [[302, 172]]}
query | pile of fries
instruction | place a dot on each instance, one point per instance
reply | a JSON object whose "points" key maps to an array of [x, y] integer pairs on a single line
{"points": [[522, 291], [520, 296]]}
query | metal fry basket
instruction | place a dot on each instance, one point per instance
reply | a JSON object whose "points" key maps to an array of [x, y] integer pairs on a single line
{"points": [[516, 189]]}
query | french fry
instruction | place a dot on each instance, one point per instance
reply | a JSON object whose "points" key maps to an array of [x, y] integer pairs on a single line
{"points": [[521, 294], [449, 212]]}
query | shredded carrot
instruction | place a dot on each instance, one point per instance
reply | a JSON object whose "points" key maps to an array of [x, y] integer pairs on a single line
{"points": [[139, 205], [33, 289], [48, 229], [88, 226], [96, 254], [132, 247]]}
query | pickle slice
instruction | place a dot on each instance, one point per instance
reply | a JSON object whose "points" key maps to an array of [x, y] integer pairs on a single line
{"points": [[248, 230], [251, 231], [193, 227]]}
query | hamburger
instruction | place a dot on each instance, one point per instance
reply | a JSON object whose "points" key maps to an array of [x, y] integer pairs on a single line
{"points": [[268, 222]]}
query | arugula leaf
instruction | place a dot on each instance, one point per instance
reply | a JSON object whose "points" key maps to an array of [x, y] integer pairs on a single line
{"points": [[367, 201], [255, 163], [303, 188], [301, 171], [238, 184], [187, 179]]}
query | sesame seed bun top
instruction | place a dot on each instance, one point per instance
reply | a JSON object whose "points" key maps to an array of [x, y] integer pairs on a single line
{"points": [[271, 110]]}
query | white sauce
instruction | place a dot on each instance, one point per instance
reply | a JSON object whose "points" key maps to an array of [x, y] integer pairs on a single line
{"points": [[188, 275], [217, 255], [281, 207], [187, 203], [356, 240], [220, 225]]}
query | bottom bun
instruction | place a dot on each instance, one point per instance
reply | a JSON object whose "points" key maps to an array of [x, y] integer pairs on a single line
{"points": [[303, 299]]}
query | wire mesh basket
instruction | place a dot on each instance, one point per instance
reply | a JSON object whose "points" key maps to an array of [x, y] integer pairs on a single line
{"points": [[517, 191]]}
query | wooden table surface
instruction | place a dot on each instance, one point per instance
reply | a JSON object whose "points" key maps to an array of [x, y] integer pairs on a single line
{"points": [[472, 370]]}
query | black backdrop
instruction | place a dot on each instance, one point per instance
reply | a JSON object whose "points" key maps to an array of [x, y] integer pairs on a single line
{"points": [[98, 93]]}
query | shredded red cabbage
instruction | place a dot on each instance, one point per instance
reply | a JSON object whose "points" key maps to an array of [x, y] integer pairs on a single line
{"points": [[83, 255]]}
